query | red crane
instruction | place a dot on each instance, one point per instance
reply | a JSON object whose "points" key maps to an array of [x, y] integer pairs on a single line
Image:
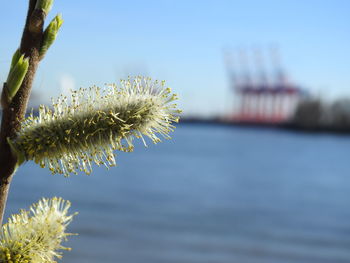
{"points": [[258, 98]]}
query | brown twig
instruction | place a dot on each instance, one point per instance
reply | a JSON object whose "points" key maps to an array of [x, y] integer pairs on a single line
{"points": [[14, 112]]}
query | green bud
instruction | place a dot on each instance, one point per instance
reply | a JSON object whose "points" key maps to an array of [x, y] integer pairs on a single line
{"points": [[15, 58], [50, 34], [16, 76], [44, 5], [20, 156]]}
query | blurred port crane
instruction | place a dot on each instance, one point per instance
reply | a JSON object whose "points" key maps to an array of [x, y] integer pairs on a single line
{"points": [[260, 97]]}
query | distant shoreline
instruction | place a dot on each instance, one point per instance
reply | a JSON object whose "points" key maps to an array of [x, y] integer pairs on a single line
{"points": [[258, 125], [291, 126]]}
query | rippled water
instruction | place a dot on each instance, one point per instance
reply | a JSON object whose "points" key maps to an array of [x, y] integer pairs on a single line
{"points": [[213, 194]]}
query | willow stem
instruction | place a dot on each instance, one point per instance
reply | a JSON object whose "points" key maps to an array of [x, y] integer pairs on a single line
{"points": [[14, 111]]}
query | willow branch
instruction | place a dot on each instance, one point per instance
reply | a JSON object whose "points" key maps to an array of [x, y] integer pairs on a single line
{"points": [[13, 112]]}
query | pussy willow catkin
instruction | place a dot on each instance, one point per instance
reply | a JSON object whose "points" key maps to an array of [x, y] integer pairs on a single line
{"points": [[73, 135], [35, 236]]}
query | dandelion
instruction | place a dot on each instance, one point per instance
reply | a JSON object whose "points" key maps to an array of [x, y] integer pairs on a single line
{"points": [[96, 122], [35, 236]]}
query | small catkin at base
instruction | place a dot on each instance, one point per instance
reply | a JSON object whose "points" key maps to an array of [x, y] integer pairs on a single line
{"points": [[36, 235], [96, 122]]}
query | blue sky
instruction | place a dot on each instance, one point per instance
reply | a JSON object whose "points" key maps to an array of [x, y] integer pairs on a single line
{"points": [[182, 41]]}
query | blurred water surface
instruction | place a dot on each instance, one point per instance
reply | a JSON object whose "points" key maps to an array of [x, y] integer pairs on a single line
{"points": [[212, 194]]}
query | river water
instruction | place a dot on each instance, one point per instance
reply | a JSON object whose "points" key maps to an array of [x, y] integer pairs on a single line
{"points": [[216, 194]]}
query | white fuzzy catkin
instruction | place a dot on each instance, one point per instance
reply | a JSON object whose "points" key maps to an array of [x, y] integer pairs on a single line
{"points": [[96, 122], [35, 236]]}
